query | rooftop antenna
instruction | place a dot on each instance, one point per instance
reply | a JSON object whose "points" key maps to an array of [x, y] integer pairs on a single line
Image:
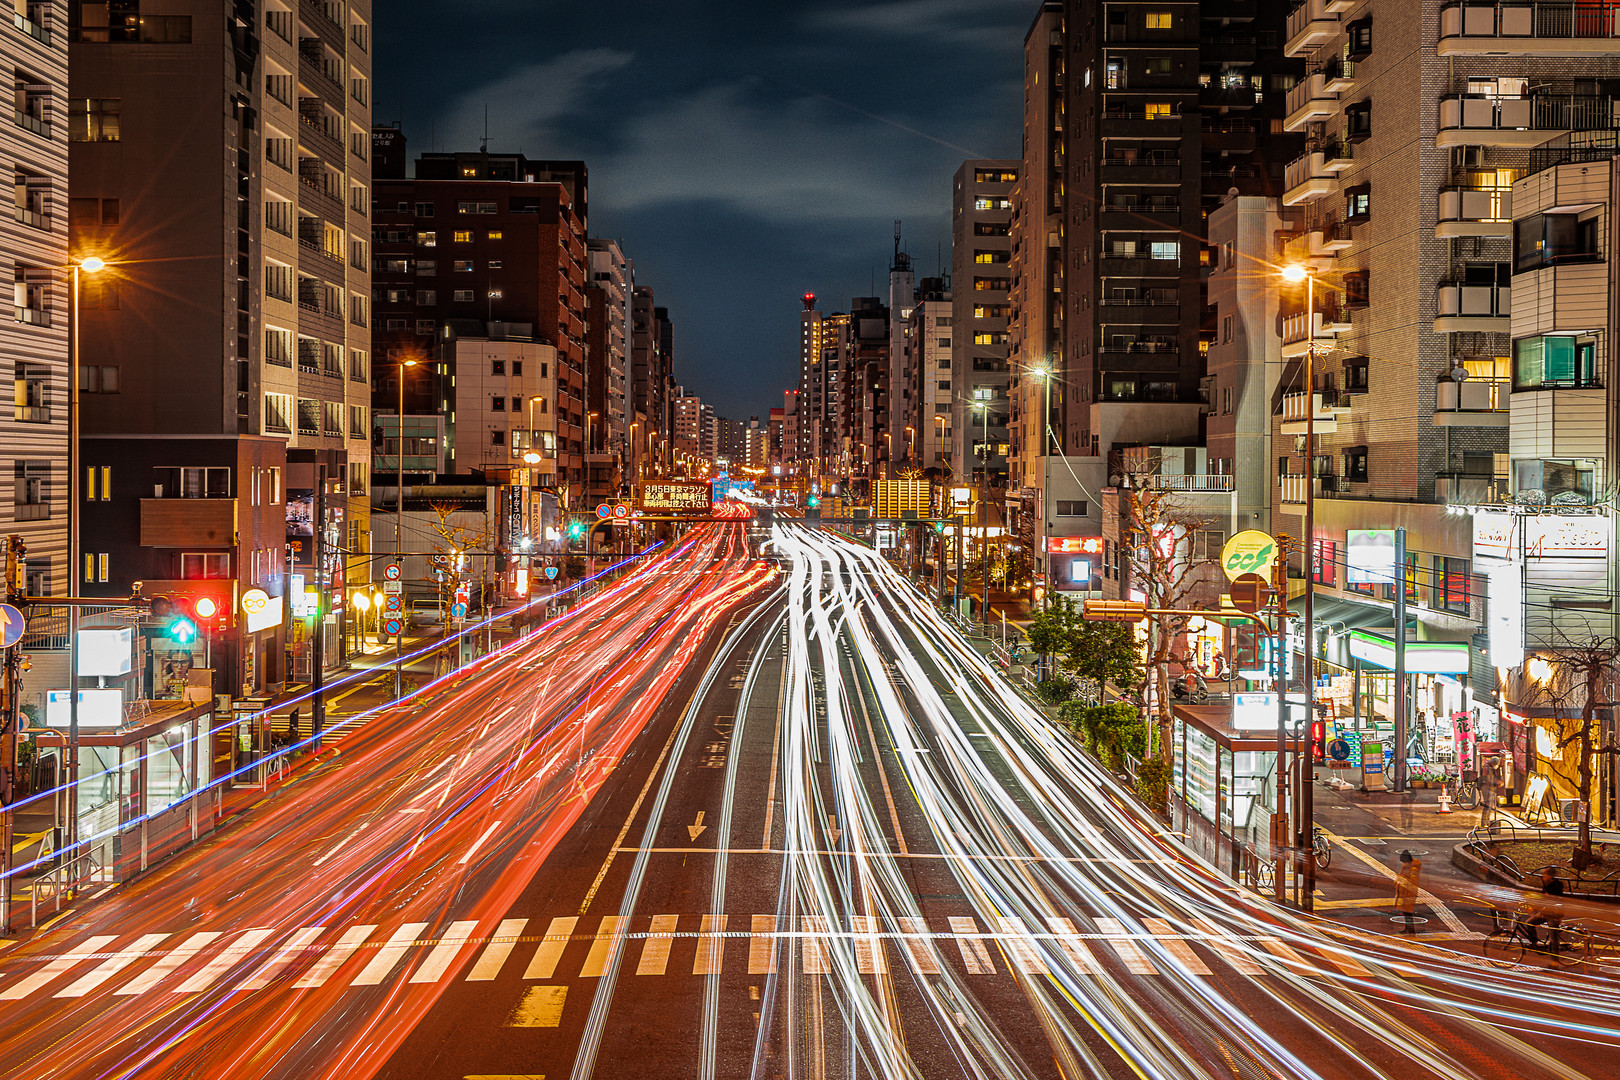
{"points": [[483, 144], [897, 240]]}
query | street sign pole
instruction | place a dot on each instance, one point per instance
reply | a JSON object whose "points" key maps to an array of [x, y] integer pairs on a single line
{"points": [[1279, 682]]}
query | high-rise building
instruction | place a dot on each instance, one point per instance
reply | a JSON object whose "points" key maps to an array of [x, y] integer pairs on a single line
{"points": [[981, 258], [904, 399], [495, 245], [222, 388], [35, 434], [607, 309], [932, 346]]}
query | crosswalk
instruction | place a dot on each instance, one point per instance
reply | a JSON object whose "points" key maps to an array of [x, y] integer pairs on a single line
{"points": [[565, 947]]}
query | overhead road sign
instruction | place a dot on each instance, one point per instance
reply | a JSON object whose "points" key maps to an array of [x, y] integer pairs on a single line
{"points": [[695, 496]]}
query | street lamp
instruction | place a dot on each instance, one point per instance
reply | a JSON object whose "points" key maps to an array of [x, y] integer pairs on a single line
{"points": [[1294, 274], [90, 264], [399, 524], [362, 601]]}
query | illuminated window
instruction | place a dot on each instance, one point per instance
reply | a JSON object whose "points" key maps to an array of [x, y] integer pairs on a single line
{"points": [[495, 234], [1160, 110], [462, 236], [1157, 20]]}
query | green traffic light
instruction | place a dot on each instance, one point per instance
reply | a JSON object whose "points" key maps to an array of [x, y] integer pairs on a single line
{"points": [[183, 630], [576, 529]]}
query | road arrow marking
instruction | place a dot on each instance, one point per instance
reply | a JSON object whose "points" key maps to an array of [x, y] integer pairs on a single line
{"points": [[696, 829], [832, 828]]}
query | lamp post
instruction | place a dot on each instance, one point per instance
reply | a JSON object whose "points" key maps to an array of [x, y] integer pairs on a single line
{"points": [[399, 524], [90, 264], [1295, 274]]}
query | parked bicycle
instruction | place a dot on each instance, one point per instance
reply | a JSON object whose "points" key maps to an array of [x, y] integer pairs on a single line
{"points": [[1466, 793], [1321, 850], [1258, 873], [1565, 945]]}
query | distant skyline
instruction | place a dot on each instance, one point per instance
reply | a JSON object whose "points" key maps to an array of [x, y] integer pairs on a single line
{"points": [[745, 153]]}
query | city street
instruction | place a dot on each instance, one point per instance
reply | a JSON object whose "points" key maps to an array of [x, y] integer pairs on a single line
{"points": [[674, 834]]}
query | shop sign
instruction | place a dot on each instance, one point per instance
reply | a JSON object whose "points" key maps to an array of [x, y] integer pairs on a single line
{"points": [[1074, 545], [1548, 536], [1495, 535], [1369, 556], [98, 708], [106, 653], [1258, 712], [261, 611], [1505, 594], [1372, 759], [1422, 657], [1247, 552]]}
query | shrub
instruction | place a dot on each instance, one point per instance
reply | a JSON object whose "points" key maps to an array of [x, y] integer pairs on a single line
{"points": [[1112, 731], [1056, 690], [1153, 783]]}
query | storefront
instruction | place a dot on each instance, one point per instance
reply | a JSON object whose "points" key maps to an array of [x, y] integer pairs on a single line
{"points": [[141, 788]]}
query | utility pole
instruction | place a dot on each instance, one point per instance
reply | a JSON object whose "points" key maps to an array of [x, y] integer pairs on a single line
{"points": [[317, 708], [11, 590], [1279, 656], [1401, 702]]}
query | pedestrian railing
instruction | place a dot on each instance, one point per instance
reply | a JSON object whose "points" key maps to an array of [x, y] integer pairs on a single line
{"points": [[54, 888]]}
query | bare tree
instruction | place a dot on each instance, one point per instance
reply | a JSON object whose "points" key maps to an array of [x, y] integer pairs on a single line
{"points": [[454, 539], [1579, 682], [1161, 531]]}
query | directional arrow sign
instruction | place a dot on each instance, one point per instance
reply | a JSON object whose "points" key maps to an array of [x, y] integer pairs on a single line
{"points": [[695, 829], [11, 626], [832, 829]]}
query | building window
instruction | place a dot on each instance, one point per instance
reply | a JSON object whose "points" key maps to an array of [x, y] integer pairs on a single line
{"points": [[1072, 508], [427, 297], [496, 234], [1325, 569], [1548, 239], [462, 266], [94, 119], [1360, 35], [1452, 589], [1358, 121], [95, 566], [1356, 288], [497, 437], [462, 236], [1165, 249], [1355, 373], [497, 404], [462, 296], [97, 483], [1159, 110], [277, 412], [1157, 20], [1355, 464], [1541, 362], [98, 379], [204, 566], [357, 422], [32, 405], [497, 367], [31, 501], [1358, 203]]}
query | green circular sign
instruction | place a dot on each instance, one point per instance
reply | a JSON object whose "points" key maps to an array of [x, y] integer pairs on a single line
{"points": [[1248, 552]]}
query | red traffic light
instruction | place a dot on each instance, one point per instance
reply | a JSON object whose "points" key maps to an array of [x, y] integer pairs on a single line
{"points": [[206, 607]]}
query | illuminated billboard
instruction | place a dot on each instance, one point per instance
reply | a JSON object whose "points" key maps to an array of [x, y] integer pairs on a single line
{"points": [[677, 497]]}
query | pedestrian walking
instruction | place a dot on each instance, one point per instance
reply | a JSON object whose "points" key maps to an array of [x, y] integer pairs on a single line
{"points": [[292, 727], [1406, 889], [1487, 793]]}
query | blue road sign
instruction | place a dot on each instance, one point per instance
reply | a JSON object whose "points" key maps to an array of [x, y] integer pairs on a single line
{"points": [[11, 626], [458, 611], [391, 627], [551, 573]]}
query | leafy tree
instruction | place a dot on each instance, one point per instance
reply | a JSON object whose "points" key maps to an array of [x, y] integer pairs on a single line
{"points": [[1153, 783], [1578, 684], [1102, 651], [1112, 730]]}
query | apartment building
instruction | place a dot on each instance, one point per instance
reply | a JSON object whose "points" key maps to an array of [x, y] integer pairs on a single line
{"points": [[981, 272], [484, 245], [607, 355], [931, 340], [1436, 108], [240, 380], [35, 431]]}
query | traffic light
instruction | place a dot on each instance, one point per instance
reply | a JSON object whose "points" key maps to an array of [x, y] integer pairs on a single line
{"points": [[1115, 610], [182, 630], [576, 529]]}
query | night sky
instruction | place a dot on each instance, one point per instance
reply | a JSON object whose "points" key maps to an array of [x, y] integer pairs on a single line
{"points": [[744, 152]]}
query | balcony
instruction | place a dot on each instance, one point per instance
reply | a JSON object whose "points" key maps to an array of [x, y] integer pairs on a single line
{"points": [[1310, 100], [1141, 213], [1530, 29], [1311, 25], [188, 523], [1472, 403], [30, 23], [31, 122], [1483, 120], [1136, 124], [1470, 489], [1123, 169], [1481, 308], [1308, 178], [1325, 326], [1474, 212], [34, 219], [1134, 311], [1294, 414], [31, 414], [1193, 482], [33, 316], [1338, 75]]}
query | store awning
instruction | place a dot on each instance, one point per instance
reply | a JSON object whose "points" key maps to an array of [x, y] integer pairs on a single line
{"points": [[1339, 614]]}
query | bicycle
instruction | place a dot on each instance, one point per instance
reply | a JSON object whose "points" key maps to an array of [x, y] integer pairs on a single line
{"points": [[1259, 873], [1321, 850], [1466, 795], [1509, 940]]}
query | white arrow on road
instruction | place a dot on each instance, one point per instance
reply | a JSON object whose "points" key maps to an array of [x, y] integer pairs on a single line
{"points": [[832, 828], [695, 829]]}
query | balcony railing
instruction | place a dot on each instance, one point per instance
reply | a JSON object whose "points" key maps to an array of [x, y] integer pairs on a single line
{"points": [[30, 25], [32, 218], [1194, 482], [31, 414], [1294, 414], [37, 511], [1485, 120], [1470, 489], [1461, 306], [1472, 403], [32, 123], [1540, 26], [1311, 24], [1474, 212], [33, 316], [1308, 178]]}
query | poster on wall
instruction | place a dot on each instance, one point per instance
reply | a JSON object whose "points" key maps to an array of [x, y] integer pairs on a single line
{"points": [[1370, 556], [301, 525]]}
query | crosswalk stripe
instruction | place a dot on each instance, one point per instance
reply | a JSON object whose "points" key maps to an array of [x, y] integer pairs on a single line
{"points": [[179, 955], [1344, 961], [1119, 940], [1285, 952], [488, 964], [544, 964], [603, 946], [389, 956], [112, 966], [815, 949], [762, 946], [1170, 939], [67, 960], [333, 958], [711, 950], [1229, 948], [284, 956], [1073, 946], [919, 945], [870, 958], [655, 952], [445, 952], [975, 957], [1020, 947], [228, 957]]}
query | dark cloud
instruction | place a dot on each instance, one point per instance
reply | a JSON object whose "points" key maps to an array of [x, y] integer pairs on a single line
{"points": [[744, 152]]}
